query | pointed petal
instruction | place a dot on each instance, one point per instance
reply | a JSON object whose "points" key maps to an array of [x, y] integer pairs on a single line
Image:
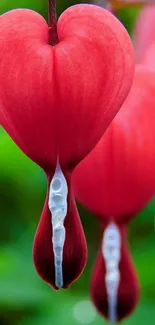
{"points": [[128, 292], [75, 249]]}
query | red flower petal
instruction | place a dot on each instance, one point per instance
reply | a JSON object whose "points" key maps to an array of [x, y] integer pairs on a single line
{"points": [[117, 179], [149, 57], [144, 33], [61, 99], [128, 292]]}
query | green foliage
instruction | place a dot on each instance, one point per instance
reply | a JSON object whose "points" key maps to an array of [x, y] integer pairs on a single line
{"points": [[40, 6], [128, 17], [24, 298]]}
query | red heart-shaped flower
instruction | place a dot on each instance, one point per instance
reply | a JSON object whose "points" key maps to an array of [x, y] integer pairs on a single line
{"points": [[116, 180], [57, 101]]}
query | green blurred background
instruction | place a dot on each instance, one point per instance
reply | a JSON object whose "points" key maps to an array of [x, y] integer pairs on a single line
{"points": [[24, 298]]}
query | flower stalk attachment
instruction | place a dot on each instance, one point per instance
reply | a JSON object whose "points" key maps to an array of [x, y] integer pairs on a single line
{"points": [[52, 22]]}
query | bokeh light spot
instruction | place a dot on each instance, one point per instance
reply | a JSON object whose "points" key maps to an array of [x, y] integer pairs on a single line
{"points": [[84, 312]]}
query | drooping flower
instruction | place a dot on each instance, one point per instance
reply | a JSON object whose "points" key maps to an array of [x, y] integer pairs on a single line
{"points": [[116, 180], [57, 98], [119, 170]]}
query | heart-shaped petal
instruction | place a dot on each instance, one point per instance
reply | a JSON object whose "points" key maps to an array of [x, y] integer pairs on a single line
{"points": [[117, 178], [59, 100]]}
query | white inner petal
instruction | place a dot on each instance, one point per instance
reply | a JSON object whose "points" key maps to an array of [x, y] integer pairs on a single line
{"points": [[111, 250], [58, 207]]}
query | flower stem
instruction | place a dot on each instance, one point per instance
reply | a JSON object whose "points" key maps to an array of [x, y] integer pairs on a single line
{"points": [[52, 22]]}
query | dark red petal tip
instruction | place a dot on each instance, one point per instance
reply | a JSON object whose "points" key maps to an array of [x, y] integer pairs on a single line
{"points": [[74, 252], [128, 292]]}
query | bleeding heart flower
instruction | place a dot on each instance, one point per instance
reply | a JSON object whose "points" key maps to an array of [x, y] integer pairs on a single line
{"points": [[59, 91], [116, 180]]}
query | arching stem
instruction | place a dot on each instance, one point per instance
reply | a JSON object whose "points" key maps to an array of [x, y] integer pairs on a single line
{"points": [[52, 22]]}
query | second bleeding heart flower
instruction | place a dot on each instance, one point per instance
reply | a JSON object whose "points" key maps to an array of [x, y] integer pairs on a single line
{"points": [[115, 181]]}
